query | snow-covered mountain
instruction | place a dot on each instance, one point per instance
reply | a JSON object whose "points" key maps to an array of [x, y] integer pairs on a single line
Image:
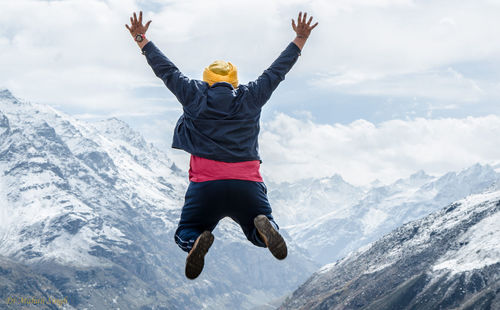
{"points": [[89, 210], [331, 218], [447, 260], [307, 200]]}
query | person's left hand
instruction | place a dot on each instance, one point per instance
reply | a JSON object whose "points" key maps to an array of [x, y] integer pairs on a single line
{"points": [[136, 25]]}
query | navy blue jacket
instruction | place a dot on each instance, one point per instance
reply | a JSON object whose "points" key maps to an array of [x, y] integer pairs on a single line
{"points": [[220, 122]]}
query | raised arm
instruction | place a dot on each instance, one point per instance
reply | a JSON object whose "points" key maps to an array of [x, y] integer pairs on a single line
{"points": [[263, 87], [180, 85]]}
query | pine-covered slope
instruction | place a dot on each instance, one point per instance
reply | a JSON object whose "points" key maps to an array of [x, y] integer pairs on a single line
{"points": [[92, 207], [447, 260]]}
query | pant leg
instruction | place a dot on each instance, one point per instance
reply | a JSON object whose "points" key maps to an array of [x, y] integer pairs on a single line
{"points": [[201, 211], [247, 199]]}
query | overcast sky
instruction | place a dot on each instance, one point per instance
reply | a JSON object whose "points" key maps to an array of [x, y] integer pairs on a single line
{"points": [[383, 87]]}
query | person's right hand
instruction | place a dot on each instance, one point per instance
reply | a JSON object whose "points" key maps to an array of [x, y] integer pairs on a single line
{"points": [[136, 25], [302, 28]]}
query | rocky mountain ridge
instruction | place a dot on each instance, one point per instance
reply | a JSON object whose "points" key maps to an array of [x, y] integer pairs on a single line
{"points": [[447, 260]]}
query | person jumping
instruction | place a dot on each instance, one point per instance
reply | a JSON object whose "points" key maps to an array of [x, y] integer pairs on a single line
{"points": [[219, 127]]}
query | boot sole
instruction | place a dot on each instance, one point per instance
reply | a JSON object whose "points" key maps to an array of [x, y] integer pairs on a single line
{"points": [[196, 257], [274, 241]]}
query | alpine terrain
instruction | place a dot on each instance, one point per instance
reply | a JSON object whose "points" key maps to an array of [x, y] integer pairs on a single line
{"points": [[88, 213], [447, 260]]}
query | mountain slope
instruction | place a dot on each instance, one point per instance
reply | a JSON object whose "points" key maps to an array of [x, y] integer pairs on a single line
{"points": [[92, 207], [19, 281], [343, 218], [447, 260]]}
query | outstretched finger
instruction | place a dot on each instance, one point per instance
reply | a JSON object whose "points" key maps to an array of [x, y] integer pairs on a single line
{"points": [[298, 19], [147, 24], [126, 25], [304, 19], [310, 20], [132, 22], [135, 18], [314, 26], [293, 25], [140, 17]]}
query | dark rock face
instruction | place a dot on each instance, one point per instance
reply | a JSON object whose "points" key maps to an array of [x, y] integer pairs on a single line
{"points": [[18, 281], [101, 163], [448, 260]]}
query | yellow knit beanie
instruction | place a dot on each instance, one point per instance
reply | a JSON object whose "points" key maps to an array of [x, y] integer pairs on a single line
{"points": [[221, 71]]}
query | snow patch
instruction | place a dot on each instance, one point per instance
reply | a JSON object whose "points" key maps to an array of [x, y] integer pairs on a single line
{"points": [[326, 268], [73, 250], [481, 247], [373, 219], [375, 268], [5, 218]]}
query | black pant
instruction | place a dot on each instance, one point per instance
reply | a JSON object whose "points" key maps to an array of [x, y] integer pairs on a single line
{"points": [[206, 203]]}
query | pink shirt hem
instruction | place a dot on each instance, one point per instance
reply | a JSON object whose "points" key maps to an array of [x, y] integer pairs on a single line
{"points": [[203, 169]]}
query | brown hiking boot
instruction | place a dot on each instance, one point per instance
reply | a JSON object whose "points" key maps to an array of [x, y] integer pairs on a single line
{"points": [[196, 257], [271, 237]]}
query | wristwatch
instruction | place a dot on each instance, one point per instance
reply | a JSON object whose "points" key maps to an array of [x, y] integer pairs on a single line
{"points": [[140, 37]]}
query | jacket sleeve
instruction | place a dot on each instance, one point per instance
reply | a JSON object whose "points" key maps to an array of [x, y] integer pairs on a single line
{"points": [[263, 87], [180, 85]]}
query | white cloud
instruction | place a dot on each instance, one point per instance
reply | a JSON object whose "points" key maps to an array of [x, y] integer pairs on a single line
{"points": [[405, 48], [362, 151], [78, 53], [70, 53], [443, 84], [405, 36]]}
